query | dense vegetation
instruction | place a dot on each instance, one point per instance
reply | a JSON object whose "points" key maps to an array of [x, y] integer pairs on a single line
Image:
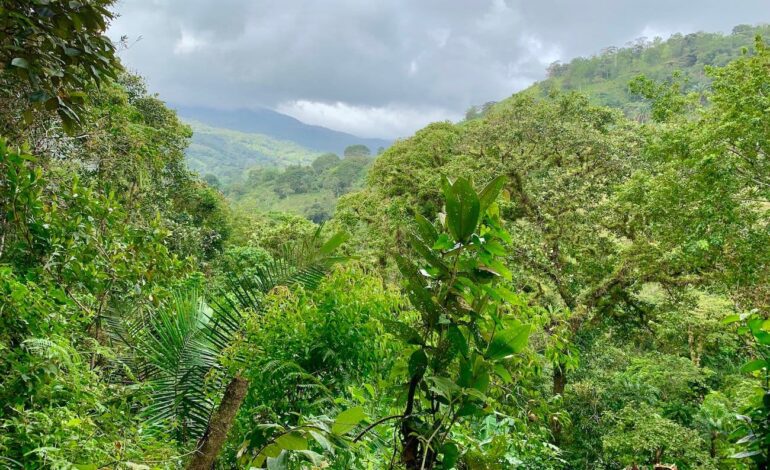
{"points": [[605, 77], [226, 154], [549, 285], [309, 191]]}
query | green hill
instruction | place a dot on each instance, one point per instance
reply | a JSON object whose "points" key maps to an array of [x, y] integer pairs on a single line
{"points": [[309, 191], [604, 77], [227, 154]]}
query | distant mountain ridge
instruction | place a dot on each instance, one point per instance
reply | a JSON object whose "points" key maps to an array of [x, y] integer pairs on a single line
{"points": [[278, 127]]}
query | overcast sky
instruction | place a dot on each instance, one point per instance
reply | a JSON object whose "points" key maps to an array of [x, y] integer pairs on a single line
{"points": [[385, 68]]}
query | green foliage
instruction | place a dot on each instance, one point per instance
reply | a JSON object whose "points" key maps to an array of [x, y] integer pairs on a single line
{"points": [[309, 346], [468, 327], [227, 154], [69, 263], [640, 436], [58, 48], [605, 77], [753, 432], [309, 191], [176, 353], [571, 314], [358, 150]]}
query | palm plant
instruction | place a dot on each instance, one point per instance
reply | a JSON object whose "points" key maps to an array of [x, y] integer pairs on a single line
{"points": [[180, 346], [177, 352]]}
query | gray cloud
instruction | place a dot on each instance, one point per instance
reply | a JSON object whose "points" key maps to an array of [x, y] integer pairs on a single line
{"points": [[384, 68]]}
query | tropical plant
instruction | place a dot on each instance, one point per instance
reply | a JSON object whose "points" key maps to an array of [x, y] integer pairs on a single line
{"points": [[177, 353], [303, 263], [753, 431], [469, 324], [57, 47]]}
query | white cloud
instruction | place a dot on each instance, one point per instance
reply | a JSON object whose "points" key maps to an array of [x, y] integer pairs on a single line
{"points": [[387, 122], [188, 43]]}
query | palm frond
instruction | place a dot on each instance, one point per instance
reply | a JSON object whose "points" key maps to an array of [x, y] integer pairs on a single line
{"points": [[304, 263], [180, 346], [176, 355]]}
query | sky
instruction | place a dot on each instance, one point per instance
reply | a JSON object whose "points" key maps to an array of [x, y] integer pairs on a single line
{"points": [[384, 68]]}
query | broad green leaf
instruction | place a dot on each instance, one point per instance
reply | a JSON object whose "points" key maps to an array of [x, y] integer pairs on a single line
{"points": [[292, 441], [489, 194], [279, 462], [495, 247], [450, 455], [510, 341], [313, 457], [418, 362], [481, 381], [443, 386], [426, 230], [756, 364], [466, 374], [333, 243], [763, 337], [462, 209], [272, 450], [20, 62], [457, 339], [348, 420], [428, 254], [470, 408], [443, 243], [402, 331], [503, 373], [322, 440], [731, 319], [418, 293]]}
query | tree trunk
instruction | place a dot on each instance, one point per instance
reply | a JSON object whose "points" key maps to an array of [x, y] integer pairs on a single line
{"points": [[221, 421], [559, 383], [410, 441]]}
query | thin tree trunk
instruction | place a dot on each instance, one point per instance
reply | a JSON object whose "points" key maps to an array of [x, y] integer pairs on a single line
{"points": [[410, 442], [210, 445], [559, 383]]}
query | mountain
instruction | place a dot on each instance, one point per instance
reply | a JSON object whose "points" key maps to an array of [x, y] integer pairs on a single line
{"points": [[227, 154], [605, 77], [279, 127]]}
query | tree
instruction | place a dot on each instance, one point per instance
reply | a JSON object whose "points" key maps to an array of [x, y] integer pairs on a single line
{"points": [[640, 436], [325, 162], [753, 433], [57, 48], [358, 150], [305, 264]]}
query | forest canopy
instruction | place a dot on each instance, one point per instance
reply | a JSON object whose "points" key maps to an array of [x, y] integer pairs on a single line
{"points": [[549, 284]]}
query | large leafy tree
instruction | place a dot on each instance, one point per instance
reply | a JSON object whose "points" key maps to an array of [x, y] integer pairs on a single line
{"points": [[57, 48], [562, 158]]}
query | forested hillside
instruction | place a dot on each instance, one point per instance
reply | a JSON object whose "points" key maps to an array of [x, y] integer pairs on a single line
{"points": [[227, 142], [310, 191], [551, 285], [605, 77], [226, 154]]}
